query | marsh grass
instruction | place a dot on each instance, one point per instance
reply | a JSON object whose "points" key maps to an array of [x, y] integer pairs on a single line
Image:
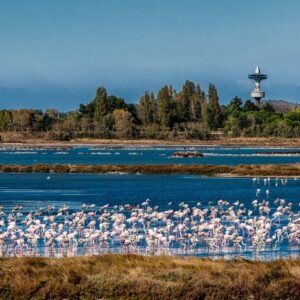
{"points": [[114, 276], [208, 170]]}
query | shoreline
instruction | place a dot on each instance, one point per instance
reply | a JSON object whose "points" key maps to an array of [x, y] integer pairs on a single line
{"points": [[9, 140], [283, 170]]}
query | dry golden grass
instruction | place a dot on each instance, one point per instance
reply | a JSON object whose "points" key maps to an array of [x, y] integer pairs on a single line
{"points": [[39, 138], [218, 140], [143, 277], [209, 170]]}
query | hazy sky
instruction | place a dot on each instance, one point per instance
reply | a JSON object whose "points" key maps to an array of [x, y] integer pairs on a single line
{"points": [[54, 53]]}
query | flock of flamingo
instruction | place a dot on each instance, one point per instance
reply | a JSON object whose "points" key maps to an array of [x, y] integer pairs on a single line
{"points": [[216, 227]]}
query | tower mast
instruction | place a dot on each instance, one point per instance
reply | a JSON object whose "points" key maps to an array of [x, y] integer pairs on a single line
{"points": [[257, 93]]}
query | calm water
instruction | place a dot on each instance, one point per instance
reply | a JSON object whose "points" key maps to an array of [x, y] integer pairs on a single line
{"points": [[33, 191], [148, 155]]}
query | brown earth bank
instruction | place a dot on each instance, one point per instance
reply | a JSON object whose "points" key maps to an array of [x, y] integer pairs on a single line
{"points": [[113, 276], [208, 170], [27, 138]]}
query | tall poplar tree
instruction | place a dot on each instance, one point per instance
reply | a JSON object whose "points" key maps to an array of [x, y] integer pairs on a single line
{"points": [[186, 97], [197, 107], [213, 110], [203, 103], [147, 108], [101, 105], [164, 106]]}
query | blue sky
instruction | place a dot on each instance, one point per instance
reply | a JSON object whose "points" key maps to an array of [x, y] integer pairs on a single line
{"points": [[55, 53]]}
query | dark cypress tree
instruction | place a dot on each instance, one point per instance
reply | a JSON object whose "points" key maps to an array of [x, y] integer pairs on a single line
{"points": [[164, 106], [250, 106], [101, 104], [213, 110], [186, 99], [235, 104], [146, 108], [203, 105], [114, 102], [101, 120], [197, 107]]}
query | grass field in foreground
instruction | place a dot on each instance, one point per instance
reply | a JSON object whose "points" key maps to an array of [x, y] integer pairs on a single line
{"points": [[114, 276]]}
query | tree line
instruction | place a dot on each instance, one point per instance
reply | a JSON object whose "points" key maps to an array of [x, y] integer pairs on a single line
{"points": [[189, 113]]}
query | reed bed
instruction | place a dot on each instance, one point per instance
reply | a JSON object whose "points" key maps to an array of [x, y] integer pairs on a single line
{"points": [[114, 276], [208, 170]]}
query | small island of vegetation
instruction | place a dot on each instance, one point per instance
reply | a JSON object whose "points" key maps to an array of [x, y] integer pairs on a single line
{"points": [[207, 170], [188, 154]]}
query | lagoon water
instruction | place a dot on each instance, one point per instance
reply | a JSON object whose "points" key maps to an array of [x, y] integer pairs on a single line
{"points": [[149, 155], [34, 191]]}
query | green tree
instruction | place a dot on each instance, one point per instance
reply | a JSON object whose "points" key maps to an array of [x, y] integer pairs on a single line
{"points": [[197, 103], [268, 107], [187, 98], [147, 108], [213, 110], [114, 102], [250, 106], [235, 104], [87, 109], [23, 119], [203, 104], [101, 111], [165, 106], [123, 123], [50, 117], [292, 118], [5, 120]]}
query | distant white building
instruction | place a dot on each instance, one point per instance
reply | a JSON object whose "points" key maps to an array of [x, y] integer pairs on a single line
{"points": [[257, 93]]}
